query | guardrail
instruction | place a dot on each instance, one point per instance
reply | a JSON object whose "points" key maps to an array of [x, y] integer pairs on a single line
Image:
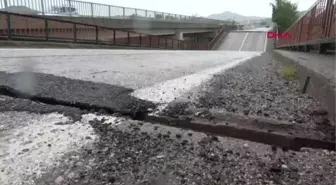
{"points": [[15, 26], [316, 27], [218, 38], [88, 9]]}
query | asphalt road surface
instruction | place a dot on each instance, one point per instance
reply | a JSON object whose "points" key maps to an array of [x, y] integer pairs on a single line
{"points": [[119, 80], [158, 76], [68, 124], [245, 41]]}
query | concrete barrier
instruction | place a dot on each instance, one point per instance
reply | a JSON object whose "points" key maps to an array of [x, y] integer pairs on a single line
{"points": [[315, 84]]}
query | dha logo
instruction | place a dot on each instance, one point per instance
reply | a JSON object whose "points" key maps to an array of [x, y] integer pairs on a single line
{"points": [[272, 35]]}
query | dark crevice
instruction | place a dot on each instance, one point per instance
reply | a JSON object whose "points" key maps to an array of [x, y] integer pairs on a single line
{"points": [[11, 92], [254, 135], [276, 139]]}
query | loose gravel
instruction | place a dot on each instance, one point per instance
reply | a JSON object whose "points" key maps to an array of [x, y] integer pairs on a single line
{"points": [[257, 88], [136, 153], [31, 144], [143, 154], [128, 152]]}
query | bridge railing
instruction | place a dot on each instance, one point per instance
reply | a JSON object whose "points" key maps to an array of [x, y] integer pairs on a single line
{"points": [[316, 26], [216, 41], [15, 26], [218, 38], [88, 9]]}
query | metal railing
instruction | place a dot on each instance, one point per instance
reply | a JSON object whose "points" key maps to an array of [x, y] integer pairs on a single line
{"points": [[88, 9], [15, 26], [218, 38]]}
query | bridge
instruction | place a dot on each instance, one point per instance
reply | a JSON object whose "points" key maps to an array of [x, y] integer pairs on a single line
{"points": [[85, 103], [128, 19]]}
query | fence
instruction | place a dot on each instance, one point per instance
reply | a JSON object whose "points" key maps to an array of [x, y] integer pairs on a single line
{"points": [[87, 9], [315, 27], [15, 26], [217, 39]]}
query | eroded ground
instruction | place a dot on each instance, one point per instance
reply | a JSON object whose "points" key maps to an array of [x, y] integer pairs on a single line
{"points": [[66, 143]]}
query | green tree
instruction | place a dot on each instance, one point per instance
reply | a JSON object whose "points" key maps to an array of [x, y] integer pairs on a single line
{"points": [[284, 14]]}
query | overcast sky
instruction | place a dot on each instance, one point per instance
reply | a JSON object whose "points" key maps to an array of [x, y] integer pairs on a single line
{"points": [[205, 7]]}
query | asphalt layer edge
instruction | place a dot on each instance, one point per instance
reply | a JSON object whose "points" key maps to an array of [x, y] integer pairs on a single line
{"points": [[270, 138], [11, 92]]}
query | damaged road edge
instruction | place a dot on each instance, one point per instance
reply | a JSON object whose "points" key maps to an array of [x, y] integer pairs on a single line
{"points": [[137, 113]]}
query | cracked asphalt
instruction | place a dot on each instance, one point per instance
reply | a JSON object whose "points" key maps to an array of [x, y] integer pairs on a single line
{"points": [[59, 130], [124, 151]]}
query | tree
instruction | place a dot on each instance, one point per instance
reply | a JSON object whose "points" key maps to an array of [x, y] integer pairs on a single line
{"points": [[284, 14]]}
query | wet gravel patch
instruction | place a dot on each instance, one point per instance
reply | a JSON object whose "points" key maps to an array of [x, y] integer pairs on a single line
{"points": [[31, 144], [257, 88], [79, 93], [135, 153]]}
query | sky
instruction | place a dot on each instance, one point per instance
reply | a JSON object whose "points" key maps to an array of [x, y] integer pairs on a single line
{"points": [[205, 7]]}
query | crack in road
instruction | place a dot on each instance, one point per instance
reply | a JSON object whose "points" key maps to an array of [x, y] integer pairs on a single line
{"points": [[206, 126]]}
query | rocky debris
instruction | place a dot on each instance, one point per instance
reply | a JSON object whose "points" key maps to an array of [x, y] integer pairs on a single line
{"points": [[141, 158], [138, 157], [177, 108], [256, 88], [33, 143]]}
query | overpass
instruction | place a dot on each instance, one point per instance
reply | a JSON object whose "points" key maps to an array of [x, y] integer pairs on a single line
{"points": [[77, 21], [107, 116], [125, 18]]}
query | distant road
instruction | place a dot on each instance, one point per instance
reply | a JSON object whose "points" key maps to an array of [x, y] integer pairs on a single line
{"points": [[245, 41]]}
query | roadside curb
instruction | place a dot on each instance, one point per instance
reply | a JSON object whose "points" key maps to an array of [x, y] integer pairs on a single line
{"points": [[314, 84]]}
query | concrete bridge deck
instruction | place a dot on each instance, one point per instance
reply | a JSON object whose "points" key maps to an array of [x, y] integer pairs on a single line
{"points": [[131, 19]]}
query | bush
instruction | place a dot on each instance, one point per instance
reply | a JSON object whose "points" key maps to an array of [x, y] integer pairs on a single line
{"points": [[288, 72]]}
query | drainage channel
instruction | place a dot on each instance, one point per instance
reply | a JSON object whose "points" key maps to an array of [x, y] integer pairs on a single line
{"points": [[199, 125]]}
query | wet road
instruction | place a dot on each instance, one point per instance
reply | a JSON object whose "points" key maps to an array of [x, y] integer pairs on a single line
{"points": [[245, 41], [158, 76], [37, 139], [68, 140], [67, 81]]}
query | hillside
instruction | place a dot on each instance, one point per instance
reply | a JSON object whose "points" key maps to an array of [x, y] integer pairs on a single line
{"points": [[237, 17], [227, 15]]}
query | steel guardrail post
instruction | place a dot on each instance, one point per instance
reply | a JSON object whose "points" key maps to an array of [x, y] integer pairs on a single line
{"points": [[123, 12], [42, 7], [166, 42], [140, 38], [91, 9], [75, 32], [109, 12], [114, 36], [97, 39], [158, 42], [46, 29], [5, 3], [128, 38], [69, 9], [9, 34]]}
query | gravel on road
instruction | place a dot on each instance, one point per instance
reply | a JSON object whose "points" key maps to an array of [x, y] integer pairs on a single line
{"points": [[257, 88], [145, 154], [97, 148]]}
